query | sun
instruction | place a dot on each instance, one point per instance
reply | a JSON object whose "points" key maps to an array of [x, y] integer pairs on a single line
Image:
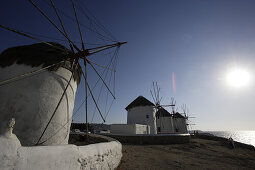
{"points": [[238, 78]]}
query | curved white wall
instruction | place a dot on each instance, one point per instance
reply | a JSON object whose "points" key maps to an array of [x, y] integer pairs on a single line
{"points": [[165, 124], [137, 115], [61, 157], [31, 101], [180, 125]]}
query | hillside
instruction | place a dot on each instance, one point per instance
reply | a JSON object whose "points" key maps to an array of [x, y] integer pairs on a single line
{"points": [[198, 154]]}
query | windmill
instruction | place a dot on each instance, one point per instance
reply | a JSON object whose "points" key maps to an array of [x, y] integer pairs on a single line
{"points": [[155, 93], [173, 103], [187, 117], [76, 56]]}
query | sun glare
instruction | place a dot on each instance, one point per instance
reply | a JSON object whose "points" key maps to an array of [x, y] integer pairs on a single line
{"points": [[238, 78]]}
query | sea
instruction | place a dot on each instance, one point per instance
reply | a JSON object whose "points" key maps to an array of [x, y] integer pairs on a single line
{"points": [[247, 137]]}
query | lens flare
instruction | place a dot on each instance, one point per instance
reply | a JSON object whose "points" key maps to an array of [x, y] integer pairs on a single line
{"points": [[173, 82]]}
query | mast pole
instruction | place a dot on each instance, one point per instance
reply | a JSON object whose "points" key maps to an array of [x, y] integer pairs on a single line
{"points": [[86, 94]]}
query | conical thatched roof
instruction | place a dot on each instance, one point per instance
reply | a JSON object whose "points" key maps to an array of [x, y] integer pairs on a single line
{"points": [[178, 115], [162, 113], [39, 54], [139, 101]]}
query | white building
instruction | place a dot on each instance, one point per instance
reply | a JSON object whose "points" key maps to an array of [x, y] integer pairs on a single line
{"points": [[142, 111], [164, 121], [180, 125], [130, 129], [32, 100]]}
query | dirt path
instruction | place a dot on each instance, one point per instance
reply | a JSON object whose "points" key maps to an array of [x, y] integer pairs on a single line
{"points": [[198, 154]]}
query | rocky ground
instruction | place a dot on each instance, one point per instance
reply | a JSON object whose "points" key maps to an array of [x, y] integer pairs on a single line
{"points": [[198, 154]]}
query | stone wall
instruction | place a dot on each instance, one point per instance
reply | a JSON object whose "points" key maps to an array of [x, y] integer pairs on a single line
{"points": [[105, 155], [152, 139]]}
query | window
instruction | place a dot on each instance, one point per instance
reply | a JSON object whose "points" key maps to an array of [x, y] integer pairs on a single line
{"points": [[158, 129], [147, 116]]}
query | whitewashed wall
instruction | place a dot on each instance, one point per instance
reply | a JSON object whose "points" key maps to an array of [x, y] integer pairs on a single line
{"points": [[165, 124], [142, 129], [61, 157], [129, 129], [180, 125], [31, 101], [137, 115]]}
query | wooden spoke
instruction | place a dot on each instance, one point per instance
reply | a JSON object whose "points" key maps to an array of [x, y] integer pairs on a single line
{"points": [[25, 75], [106, 67], [98, 49], [90, 91], [62, 25], [36, 6], [102, 80], [78, 24], [29, 36]]}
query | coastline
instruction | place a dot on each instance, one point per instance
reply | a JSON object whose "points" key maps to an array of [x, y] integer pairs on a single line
{"points": [[210, 136], [247, 137]]}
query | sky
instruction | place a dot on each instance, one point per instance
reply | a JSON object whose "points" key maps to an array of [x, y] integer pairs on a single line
{"points": [[200, 41]]}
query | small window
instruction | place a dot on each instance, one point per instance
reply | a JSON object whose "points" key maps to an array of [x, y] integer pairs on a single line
{"points": [[147, 116], [158, 129]]}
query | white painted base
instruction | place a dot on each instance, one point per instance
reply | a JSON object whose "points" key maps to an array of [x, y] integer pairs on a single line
{"points": [[129, 129], [32, 100], [144, 115], [180, 125], [61, 157], [165, 125]]}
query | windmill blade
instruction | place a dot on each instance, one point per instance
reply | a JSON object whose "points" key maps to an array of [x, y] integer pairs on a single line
{"points": [[96, 21], [105, 75], [106, 67], [29, 36], [62, 25], [37, 7], [78, 24], [153, 97], [158, 96], [153, 84], [160, 100], [97, 34], [93, 97], [102, 80], [167, 105], [157, 88], [106, 47]]}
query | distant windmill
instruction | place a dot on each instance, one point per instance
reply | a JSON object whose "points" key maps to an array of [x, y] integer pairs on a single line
{"points": [[173, 103], [187, 117], [155, 93]]}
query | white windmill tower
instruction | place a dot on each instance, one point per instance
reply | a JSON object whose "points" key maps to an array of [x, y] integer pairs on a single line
{"points": [[164, 119], [187, 117]]}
